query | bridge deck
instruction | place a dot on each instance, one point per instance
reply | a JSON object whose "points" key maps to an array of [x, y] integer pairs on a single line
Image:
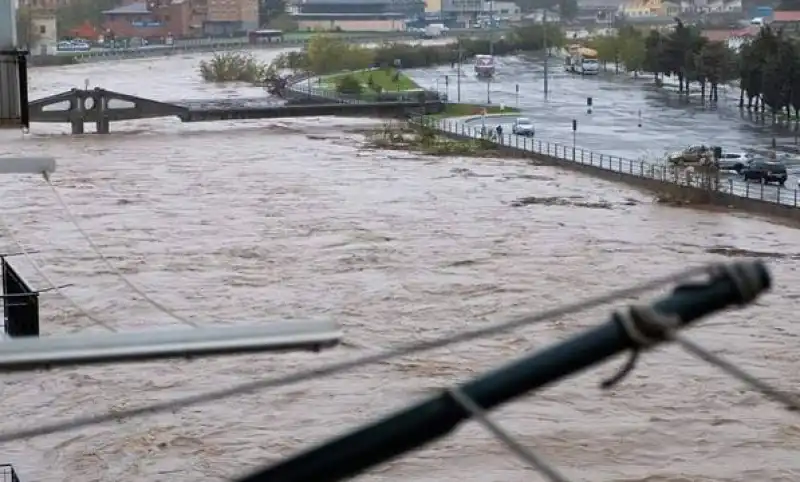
{"points": [[102, 106]]}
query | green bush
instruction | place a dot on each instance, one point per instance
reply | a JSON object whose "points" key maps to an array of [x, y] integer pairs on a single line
{"points": [[233, 67], [348, 84]]}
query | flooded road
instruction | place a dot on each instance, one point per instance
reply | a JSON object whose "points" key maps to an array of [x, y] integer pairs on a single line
{"points": [[629, 118], [251, 222]]}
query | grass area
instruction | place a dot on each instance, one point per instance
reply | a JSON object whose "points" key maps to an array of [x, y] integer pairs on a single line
{"points": [[464, 110], [388, 80]]}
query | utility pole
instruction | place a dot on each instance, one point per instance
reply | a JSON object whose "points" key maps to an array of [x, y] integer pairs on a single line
{"points": [[458, 95], [491, 27], [546, 53]]}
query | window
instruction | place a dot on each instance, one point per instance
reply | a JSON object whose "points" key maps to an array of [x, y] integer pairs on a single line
{"points": [[42, 29]]}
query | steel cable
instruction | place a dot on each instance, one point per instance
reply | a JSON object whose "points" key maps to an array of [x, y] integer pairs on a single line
{"points": [[334, 368]]}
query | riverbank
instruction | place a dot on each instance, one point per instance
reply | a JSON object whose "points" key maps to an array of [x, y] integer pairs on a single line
{"points": [[207, 45]]}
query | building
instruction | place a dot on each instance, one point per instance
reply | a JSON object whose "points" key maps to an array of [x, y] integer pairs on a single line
{"points": [[230, 17], [154, 21], [788, 21], [650, 9], [462, 13], [711, 6], [503, 10], [433, 7], [541, 15], [44, 28], [357, 15]]}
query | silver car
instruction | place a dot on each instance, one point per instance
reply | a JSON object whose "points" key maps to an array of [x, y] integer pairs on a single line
{"points": [[523, 127], [734, 161]]}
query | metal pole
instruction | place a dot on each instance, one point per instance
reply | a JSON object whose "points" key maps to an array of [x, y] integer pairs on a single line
{"points": [[546, 56], [491, 27], [489, 91], [458, 96]]}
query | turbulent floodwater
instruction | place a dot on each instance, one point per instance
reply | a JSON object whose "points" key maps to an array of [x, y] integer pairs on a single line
{"points": [[236, 222]]}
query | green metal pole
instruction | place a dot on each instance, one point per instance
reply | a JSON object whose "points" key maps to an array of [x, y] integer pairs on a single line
{"points": [[413, 427]]}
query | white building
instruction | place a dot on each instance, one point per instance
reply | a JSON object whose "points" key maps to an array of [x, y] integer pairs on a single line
{"points": [[503, 10]]}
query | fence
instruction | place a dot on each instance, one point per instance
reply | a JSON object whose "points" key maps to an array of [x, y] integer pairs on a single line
{"points": [[571, 153], [658, 172], [8, 474], [214, 45]]}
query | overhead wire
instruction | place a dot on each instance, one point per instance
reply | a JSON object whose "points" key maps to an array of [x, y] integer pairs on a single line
{"points": [[527, 455], [74, 220], [346, 365], [53, 286]]}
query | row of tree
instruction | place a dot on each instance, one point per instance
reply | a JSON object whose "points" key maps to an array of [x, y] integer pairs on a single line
{"points": [[326, 54], [767, 68]]}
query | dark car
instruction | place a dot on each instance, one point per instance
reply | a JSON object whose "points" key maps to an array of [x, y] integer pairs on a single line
{"points": [[765, 171]]}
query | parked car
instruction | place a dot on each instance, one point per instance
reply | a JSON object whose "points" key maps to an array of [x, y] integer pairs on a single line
{"points": [[690, 155], [765, 170], [734, 161], [523, 127], [73, 46]]}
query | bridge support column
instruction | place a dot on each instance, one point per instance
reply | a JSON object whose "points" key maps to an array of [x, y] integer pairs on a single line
{"points": [[103, 124], [77, 126]]}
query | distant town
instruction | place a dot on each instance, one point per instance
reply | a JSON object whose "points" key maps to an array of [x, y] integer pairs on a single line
{"points": [[47, 27]]}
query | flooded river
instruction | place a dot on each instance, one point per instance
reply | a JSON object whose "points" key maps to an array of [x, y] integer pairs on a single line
{"points": [[252, 222]]}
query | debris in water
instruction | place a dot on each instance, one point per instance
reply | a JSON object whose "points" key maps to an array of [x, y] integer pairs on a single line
{"points": [[557, 201], [732, 252]]}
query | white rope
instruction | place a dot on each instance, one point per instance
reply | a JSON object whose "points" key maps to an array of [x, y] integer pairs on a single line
{"points": [[81, 310], [527, 455], [71, 216], [346, 365]]}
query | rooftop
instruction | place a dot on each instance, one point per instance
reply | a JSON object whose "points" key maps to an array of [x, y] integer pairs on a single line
{"points": [[787, 16]]}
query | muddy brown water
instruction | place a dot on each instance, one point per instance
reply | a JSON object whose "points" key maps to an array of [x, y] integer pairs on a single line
{"points": [[252, 222]]}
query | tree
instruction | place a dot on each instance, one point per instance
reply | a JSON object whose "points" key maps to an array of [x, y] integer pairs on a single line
{"points": [[74, 14], [269, 10], [633, 53]]}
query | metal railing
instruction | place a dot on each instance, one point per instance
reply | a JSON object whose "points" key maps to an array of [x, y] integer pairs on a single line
{"points": [[8, 474], [214, 45], [659, 172], [571, 153]]}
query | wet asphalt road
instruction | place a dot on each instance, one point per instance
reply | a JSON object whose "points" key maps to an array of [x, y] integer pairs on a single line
{"points": [[629, 118]]}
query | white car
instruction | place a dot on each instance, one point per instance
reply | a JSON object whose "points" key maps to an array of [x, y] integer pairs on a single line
{"points": [[734, 161], [523, 127]]}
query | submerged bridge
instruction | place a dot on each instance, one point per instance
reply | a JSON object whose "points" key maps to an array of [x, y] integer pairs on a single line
{"points": [[101, 107]]}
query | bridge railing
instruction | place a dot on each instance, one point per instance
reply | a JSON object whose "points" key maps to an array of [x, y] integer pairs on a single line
{"points": [[8, 474], [660, 172]]}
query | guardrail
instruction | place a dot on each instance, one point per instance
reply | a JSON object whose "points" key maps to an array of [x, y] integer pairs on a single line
{"points": [[666, 174]]}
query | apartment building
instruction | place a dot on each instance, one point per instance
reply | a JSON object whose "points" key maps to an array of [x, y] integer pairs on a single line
{"points": [[230, 17], [357, 15]]}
